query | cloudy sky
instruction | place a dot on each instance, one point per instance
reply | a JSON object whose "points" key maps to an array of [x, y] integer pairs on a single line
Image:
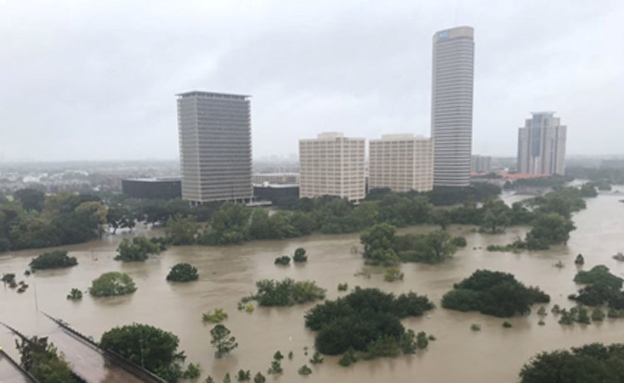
{"points": [[95, 80]]}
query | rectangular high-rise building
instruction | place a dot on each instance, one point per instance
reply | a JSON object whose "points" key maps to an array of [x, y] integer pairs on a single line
{"points": [[542, 145], [481, 164], [215, 146], [333, 165], [401, 162], [451, 105]]}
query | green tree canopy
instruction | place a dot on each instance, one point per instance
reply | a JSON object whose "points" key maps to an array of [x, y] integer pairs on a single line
{"points": [[150, 347], [183, 272], [112, 284]]}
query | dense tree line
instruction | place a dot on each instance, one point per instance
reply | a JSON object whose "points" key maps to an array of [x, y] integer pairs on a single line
{"points": [[366, 320], [493, 293], [555, 181], [550, 219], [383, 247], [34, 220], [590, 363]]}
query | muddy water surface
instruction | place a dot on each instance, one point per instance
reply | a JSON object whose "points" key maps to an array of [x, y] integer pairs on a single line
{"points": [[494, 354]]}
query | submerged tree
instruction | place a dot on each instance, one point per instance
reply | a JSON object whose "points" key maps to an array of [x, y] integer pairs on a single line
{"points": [[222, 340]]}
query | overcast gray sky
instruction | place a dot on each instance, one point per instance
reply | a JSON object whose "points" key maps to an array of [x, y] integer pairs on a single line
{"points": [[95, 80]]}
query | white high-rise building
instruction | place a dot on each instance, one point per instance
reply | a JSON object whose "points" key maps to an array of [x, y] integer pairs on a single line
{"points": [[542, 145], [215, 146], [451, 105], [401, 162], [332, 164]]}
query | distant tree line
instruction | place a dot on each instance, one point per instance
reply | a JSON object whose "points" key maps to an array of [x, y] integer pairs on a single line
{"points": [[35, 220]]}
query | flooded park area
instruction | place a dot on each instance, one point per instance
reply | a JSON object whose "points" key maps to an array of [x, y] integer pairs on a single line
{"points": [[494, 354]]}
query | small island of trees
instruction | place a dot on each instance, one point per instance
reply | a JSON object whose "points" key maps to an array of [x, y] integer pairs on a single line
{"points": [[383, 247], [286, 292], [366, 321], [112, 284], [493, 293], [183, 272], [590, 363], [148, 346], [53, 260], [601, 288], [137, 249]]}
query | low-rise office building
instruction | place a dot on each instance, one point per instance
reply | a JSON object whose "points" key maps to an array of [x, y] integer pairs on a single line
{"points": [[333, 165], [401, 162], [152, 188]]}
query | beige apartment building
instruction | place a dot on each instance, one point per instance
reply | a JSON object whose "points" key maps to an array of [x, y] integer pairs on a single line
{"points": [[401, 162], [333, 165]]}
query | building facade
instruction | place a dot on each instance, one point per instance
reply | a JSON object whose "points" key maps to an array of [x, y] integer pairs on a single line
{"points": [[401, 163], [215, 146], [542, 145], [333, 165], [276, 193], [275, 178], [481, 164], [451, 105]]}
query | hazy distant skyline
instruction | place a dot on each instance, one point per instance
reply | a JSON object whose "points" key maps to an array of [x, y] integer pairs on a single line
{"points": [[97, 81]]}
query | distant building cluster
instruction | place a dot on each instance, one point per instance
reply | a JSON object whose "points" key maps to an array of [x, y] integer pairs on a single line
{"points": [[215, 144]]}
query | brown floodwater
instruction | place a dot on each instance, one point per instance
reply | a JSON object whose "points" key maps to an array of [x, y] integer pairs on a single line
{"points": [[494, 354]]}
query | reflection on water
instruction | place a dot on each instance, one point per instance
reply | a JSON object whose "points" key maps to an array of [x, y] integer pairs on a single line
{"points": [[494, 354]]}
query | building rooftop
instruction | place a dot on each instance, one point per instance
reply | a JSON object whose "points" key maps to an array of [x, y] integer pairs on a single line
{"points": [[152, 179], [550, 113], [197, 93], [400, 137]]}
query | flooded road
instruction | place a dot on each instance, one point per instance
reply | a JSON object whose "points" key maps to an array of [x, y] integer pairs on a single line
{"points": [[494, 354]]}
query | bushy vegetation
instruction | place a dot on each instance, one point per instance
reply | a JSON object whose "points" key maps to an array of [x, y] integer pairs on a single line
{"points": [[112, 284], [183, 272], [393, 274], [363, 320], [283, 260], [34, 220], [74, 295], [43, 361], [182, 230], [53, 260], [286, 292], [601, 288], [137, 249], [459, 241], [300, 255], [343, 286], [304, 370], [148, 346], [193, 371], [493, 293], [218, 316], [590, 363]]}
